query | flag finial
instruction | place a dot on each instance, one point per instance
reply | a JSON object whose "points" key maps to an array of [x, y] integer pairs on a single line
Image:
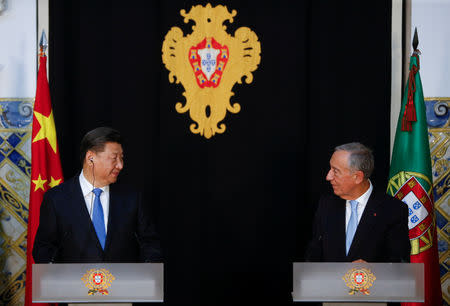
{"points": [[415, 42], [43, 43]]}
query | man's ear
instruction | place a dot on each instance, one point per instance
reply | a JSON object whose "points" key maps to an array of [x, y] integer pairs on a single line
{"points": [[90, 158], [359, 176]]}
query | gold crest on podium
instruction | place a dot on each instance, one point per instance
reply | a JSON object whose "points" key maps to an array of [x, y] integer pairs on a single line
{"points": [[98, 281], [208, 62], [359, 280]]}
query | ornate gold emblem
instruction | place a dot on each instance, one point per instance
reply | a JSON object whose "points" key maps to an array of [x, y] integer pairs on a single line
{"points": [[359, 280], [98, 280], [208, 62]]}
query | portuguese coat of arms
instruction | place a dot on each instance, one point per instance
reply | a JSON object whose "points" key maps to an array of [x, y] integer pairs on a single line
{"points": [[420, 206], [208, 62], [359, 280], [98, 281]]}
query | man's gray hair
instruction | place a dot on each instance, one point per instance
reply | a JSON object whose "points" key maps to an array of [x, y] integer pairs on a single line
{"points": [[360, 159]]}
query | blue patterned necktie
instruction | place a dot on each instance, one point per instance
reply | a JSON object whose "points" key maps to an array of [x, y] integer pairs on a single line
{"points": [[98, 218], [352, 225]]}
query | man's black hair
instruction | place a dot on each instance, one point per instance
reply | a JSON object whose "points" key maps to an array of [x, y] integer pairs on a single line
{"points": [[96, 139]]}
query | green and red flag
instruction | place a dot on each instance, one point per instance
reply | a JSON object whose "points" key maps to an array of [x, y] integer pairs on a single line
{"points": [[46, 171], [410, 180]]}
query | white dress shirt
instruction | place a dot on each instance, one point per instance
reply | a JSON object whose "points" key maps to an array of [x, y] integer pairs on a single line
{"points": [[86, 189], [362, 201]]}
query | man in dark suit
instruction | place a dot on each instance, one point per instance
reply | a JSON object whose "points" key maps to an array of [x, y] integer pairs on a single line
{"points": [[90, 219], [358, 223]]}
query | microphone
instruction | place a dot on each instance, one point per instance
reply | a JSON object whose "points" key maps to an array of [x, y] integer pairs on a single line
{"points": [[138, 240], [141, 248], [56, 251], [149, 252]]}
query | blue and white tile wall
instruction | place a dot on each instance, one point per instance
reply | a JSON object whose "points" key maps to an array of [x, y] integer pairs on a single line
{"points": [[438, 114], [15, 169]]}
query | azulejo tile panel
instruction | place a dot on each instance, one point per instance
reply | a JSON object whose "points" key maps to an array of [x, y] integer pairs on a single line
{"points": [[16, 117], [438, 114]]}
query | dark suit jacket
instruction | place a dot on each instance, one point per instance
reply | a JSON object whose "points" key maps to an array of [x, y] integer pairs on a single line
{"points": [[382, 234], [66, 233]]}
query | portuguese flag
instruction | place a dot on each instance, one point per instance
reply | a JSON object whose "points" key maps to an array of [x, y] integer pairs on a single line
{"points": [[46, 171], [410, 180]]}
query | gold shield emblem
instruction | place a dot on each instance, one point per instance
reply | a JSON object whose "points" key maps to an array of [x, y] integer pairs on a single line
{"points": [[208, 62], [98, 281], [359, 280]]}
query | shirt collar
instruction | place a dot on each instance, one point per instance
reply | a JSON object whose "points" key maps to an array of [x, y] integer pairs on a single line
{"points": [[362, 200], [87, 187]]}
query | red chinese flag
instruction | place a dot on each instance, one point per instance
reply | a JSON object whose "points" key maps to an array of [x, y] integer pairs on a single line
{"points": [[46, 171]]}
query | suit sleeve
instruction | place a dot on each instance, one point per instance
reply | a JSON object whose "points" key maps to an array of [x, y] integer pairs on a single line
{"points": [[399, 246], [314, 249], [149, 242], [45, 246]]}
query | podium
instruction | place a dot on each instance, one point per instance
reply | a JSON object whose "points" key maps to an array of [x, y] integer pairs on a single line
{"points": [[358, 283], [98, 283]]}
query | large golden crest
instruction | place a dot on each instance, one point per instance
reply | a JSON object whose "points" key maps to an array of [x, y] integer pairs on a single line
{"points": [[208, 62]]}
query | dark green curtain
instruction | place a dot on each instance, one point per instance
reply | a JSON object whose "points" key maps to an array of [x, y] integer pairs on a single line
{"points": [[233, 211]]}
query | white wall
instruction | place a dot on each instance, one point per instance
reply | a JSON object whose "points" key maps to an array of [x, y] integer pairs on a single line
{"points": [[432, 19], [18, 49], [396, 66]]}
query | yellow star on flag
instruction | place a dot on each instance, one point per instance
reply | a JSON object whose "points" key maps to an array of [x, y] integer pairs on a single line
{"points": [[54, 182], [39, 183], [47, 129]]}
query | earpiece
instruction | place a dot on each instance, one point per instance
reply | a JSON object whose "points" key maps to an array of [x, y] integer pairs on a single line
{"points": [[91, 160]]}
